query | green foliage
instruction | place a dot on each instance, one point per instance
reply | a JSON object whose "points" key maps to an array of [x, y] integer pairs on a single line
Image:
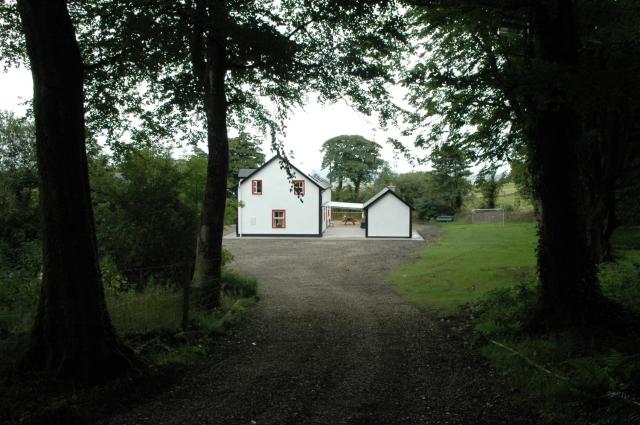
{"points": [[489, 186], [136, 312], [239, 286], [244, 152], [216, 322], [187, 354], [575, 379], [19, 290], [351, 158], [470, 99], [588, 377], [142, 224], [420, 191], [450, 171], [276, 52], [620, 280], [503, 312], [412, 186], [194, 175], [20, 217]]}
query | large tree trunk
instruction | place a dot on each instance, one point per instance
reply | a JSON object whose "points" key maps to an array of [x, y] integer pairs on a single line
{"points": [[72, 337], [570, 292], [209, 246]]}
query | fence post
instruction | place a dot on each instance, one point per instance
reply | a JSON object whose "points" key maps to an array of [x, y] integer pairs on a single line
{"points": [[186, 293]]}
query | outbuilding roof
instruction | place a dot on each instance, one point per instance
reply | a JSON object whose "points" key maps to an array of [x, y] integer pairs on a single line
{"points": [[380, 195], [343, 205]]}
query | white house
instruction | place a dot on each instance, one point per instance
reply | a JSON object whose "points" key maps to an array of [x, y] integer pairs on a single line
{"points": [[387, 216], [270, 204]]}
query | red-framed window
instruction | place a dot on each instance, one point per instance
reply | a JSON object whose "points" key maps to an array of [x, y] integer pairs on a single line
{"points": [[278, 219], [298, 187], [256, 187]]}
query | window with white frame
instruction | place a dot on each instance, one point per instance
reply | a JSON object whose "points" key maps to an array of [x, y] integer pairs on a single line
{"points": [[256, 187], [278, 219]]}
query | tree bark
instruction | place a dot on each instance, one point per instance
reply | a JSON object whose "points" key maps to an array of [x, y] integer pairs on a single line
{"points": [[570, 294], [72, 337], [208, 264]]}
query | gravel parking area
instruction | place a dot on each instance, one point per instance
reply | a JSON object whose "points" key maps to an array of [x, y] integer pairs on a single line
{"points": [[331, 343]]}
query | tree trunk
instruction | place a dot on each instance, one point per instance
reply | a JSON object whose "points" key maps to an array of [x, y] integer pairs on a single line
{"points": [[208, 262], [570, 292], [72, 337]]}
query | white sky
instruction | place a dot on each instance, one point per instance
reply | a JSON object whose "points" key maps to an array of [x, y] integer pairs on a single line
{"points": [[307, 128]]}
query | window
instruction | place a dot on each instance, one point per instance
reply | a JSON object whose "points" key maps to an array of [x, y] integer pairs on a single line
{"points": [[278, 219], [298, 187], [256, 187]]}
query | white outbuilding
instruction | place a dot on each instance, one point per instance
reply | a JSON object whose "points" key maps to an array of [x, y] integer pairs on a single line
{"points": [[387, 216]]}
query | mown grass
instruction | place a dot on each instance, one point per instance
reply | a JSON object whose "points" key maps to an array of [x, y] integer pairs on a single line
{"points": [[467, 262], [484, 275]]}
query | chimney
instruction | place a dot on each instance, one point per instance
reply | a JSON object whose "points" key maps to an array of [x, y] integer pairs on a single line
{"points": [[392, 188]]}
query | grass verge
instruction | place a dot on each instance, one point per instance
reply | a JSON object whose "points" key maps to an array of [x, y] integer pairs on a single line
{"points": [[483, 276], [150, 323]]}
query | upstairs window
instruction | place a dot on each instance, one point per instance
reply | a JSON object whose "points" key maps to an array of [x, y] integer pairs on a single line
{"points": [[298, 187], [278, 219], [256, 187]]}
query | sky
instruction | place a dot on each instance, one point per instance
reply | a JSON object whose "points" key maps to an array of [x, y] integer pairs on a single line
{"points": [[307, 128]]}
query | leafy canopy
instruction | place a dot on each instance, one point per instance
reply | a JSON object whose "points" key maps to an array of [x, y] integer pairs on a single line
{"points": [[351, 158]]}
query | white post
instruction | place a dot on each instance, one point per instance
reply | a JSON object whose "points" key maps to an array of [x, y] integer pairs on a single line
{"points": [[239, 212]]}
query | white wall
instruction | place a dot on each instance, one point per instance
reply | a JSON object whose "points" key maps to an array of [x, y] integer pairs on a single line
{"points": [[255, 216], [389, 217]]}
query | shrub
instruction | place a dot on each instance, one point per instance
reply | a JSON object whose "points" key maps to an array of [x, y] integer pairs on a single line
{"points": [[239, 286], [621, 280], [502, 312]]}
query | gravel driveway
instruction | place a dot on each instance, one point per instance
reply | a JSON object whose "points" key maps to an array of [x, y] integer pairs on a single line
{"points": [[330, 343]]}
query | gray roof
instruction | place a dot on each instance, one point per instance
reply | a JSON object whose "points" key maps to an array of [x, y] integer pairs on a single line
{"points": [[244, 172], [323, 183]]}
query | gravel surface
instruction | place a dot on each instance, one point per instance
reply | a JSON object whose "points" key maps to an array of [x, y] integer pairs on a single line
{"points": [[331, 343]]}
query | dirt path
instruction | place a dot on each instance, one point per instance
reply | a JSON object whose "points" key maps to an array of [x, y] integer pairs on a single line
{"points": [[330, 343]]}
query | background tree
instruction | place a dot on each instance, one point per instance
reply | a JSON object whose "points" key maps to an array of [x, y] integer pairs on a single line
{"points": [[412, 186], [19, 221], [489, 185], [144, 225], [352, 158], [450, 172], [72, 336], [245, 151]]}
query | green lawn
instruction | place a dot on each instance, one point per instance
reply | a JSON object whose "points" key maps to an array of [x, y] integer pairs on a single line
{"points": [[468, 261]]}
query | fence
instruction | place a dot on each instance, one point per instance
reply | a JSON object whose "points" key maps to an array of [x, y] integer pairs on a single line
{"points": [[339, 215], [138, 310]]}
